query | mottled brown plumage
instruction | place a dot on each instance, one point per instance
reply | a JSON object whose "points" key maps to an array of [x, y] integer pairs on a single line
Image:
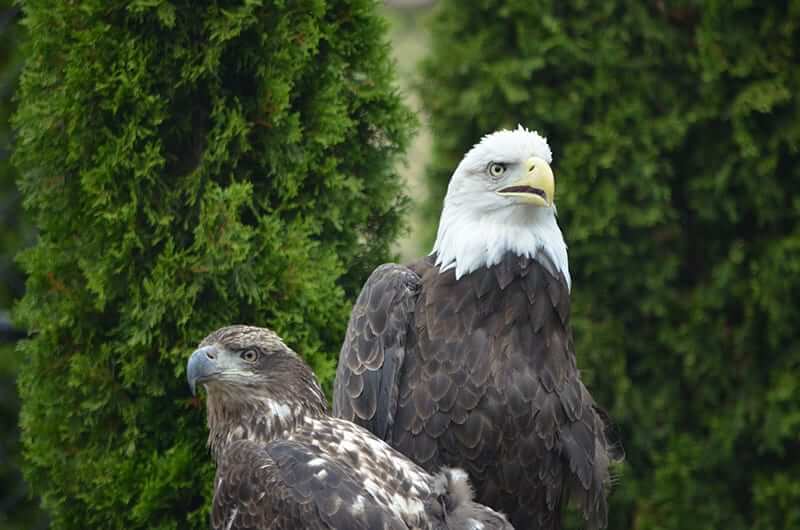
{"points": [[479, 373], [284, 463]]}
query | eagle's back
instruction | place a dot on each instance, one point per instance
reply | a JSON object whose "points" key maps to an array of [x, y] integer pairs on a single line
{"points": [[326, 473], [491, 385], [289, 484], [390, 478]]}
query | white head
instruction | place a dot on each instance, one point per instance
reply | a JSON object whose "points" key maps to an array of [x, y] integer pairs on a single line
{"points": [[500, 199]]}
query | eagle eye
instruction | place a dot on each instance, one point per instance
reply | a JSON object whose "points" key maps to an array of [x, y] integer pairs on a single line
{"points": [[496, 169], [250, 356]]}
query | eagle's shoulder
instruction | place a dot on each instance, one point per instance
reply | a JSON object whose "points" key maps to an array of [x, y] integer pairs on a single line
{"points": [[374, 348], [291, 484], [372, 459], [393, 482]]}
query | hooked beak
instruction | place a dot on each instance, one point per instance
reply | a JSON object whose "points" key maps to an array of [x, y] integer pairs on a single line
{"points": [[202, 366], [537, 187]]}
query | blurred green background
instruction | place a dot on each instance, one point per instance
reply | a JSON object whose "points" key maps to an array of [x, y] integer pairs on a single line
{"points": [[18, 509], [676, 145], [675, 127]]}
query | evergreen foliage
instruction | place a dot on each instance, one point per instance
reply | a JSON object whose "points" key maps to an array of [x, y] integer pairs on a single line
{"points": [[14, 232], [18, 510], [189, 164], [676, 136]]}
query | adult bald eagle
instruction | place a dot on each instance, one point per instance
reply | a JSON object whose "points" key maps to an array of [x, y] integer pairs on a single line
{"points": [[465, 358], [283, 463]]}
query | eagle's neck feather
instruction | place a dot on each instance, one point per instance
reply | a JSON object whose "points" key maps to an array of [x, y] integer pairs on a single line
{"points": [[262, 414], [466, 243]]}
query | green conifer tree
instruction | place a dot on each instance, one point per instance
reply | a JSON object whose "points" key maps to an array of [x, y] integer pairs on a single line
{"points": [[189, 164], [13, 229], [18, 509], [676, 145]]}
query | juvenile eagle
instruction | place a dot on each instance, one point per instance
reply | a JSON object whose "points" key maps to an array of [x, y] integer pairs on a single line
{"points": [[283, 463], [465, 358]]}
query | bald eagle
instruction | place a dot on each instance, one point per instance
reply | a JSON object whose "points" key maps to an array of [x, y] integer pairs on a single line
{"points": [[283, 463], [465, 358]]}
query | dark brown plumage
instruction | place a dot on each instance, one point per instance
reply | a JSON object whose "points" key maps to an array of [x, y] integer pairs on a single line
{"points": [[284, 463], [479, 373], [466, 357]]}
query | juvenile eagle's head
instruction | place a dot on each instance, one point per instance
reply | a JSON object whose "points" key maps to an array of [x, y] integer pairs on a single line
{"points": [[501, 198], [251, 378]]}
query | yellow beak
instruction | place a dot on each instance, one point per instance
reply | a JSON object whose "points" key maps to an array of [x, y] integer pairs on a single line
{"points": [[537, 187]]}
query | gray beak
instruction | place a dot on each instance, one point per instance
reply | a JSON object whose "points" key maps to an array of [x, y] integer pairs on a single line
{"points": [[202, 365]]}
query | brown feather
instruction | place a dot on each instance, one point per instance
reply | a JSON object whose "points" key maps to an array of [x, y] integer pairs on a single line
{"points": [[490, 384]]}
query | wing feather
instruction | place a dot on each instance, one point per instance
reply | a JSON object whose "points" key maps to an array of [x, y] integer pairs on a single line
{"points": [[286, 485], [372, 355], [489, 383]]}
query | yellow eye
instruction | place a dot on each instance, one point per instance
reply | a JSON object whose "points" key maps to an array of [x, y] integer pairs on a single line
{"points": [[496, 169], [249, 355]]}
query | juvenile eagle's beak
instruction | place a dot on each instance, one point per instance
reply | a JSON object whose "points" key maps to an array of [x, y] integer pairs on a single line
{"points": [[201, 366], [537, 187]]}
